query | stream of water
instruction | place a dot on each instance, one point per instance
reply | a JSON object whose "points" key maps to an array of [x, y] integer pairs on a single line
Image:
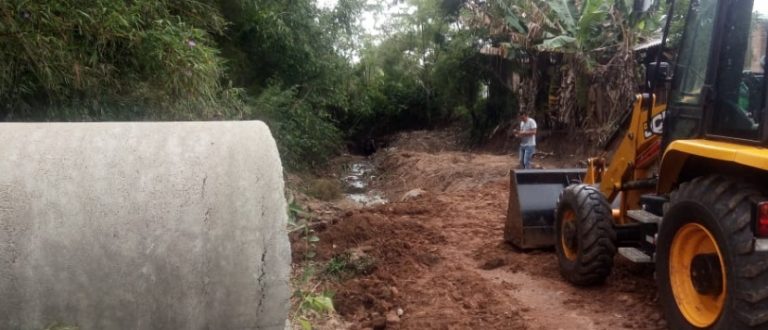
{"points": [[357, 177]]}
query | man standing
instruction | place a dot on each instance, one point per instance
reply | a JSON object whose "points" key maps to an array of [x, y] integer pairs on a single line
{"points": [[527, 135]]}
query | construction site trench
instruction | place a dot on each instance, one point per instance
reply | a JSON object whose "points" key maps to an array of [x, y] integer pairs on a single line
{"points": [[434, 256]]}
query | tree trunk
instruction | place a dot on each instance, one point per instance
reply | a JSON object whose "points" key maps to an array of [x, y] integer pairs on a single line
{"points": [[529, 87], [567, 98]]}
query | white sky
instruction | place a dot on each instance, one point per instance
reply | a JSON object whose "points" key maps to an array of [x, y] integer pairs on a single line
{"points": [[373, 21], [761, 6]]}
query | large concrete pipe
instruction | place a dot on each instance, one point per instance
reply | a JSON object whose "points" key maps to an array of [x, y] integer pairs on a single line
{"points": [[142, 226]]}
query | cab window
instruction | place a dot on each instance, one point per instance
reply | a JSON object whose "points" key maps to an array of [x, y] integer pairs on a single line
{"points": [[687, 100], [694, 52], [740, 86]]}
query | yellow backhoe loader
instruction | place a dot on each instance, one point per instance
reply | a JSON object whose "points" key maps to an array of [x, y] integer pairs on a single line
{"points": [[686, 185]]}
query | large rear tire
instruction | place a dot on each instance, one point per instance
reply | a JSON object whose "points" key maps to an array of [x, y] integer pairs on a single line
{"points": [[708, 275], [585, 239]]}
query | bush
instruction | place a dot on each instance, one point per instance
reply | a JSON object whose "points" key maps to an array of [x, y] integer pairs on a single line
{"points": [[324, 189], [305, 136], [63, 60]]}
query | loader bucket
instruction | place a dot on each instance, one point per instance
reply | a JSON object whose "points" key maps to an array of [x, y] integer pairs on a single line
{"points": [[533, 197]]}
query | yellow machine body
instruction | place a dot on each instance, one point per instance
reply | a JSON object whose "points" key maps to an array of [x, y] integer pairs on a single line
{"points": [[697, 152], [687, 181], [632, 159]]}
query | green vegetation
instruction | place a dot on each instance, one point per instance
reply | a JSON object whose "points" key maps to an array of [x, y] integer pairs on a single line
{"points": [[348, 264], [313, 305], [576, 59], [324, 189], [315, 75], [308, 300], [179, 60], [61, 326]]}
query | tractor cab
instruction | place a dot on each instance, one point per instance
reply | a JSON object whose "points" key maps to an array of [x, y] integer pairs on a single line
{"points": [[719, 89]]}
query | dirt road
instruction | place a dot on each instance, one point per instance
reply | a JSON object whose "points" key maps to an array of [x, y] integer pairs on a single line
{"points": [[441, 263]]}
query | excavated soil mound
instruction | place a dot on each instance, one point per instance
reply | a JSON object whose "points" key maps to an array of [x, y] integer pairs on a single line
{"points": [[428, 141], [411, 273], [439, 261], [439, 172]]}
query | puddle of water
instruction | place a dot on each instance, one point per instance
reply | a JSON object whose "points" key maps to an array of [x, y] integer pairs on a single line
{"points": [[368, 199], [354, 184], [357, 179]]}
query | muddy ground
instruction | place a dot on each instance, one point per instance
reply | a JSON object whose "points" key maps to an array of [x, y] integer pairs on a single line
{"points": [[436, 258]]}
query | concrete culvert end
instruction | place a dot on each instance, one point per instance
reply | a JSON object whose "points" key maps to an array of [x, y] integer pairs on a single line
{"points": [[142, 226]]}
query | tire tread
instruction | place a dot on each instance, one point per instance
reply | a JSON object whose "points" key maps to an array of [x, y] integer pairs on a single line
{"points": [[596, 236], [730, 200]]}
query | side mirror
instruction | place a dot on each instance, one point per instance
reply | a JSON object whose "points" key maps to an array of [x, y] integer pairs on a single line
{"points": [[663, 75], [642, 6]]}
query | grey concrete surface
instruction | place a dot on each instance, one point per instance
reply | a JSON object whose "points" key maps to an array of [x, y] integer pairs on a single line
{"points": [[142, 226]]}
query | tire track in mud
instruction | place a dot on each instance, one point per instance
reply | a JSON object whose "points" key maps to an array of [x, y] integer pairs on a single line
{"points": [[532, 280]]}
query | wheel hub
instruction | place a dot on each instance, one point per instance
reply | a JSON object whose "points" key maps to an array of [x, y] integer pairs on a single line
{"points": [[696, 275], [569, 234], [706, 274]]}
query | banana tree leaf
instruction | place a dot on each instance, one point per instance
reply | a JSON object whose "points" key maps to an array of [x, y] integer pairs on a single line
{"points": [[514, 22], [565, 44], [511, 19], [565, 16], [594, 13]]}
